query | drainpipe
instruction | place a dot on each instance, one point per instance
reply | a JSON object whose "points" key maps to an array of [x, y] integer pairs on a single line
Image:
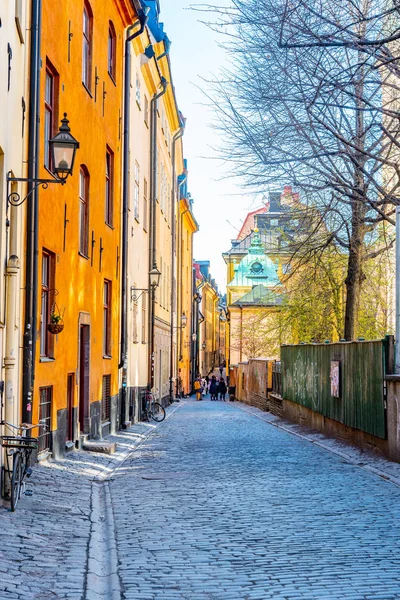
{"points": [[11, 349], [142, 16], [175, 138], [32, 218], [153, 221]]}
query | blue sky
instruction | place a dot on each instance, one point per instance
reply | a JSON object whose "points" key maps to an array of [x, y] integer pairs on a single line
{"points": [[195, 54]]}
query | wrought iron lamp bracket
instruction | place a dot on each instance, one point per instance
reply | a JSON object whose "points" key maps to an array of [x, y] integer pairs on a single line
{"points": [[14, 198], [134, 296]]}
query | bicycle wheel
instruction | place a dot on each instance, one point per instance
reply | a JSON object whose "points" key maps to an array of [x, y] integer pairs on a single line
{"points": [[16, 480], [158, 412]]}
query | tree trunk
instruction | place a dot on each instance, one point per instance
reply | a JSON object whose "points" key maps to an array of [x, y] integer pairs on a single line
{"points": [[353, 291], [358, 214]]}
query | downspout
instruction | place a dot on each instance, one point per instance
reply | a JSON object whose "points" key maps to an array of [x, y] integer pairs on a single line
{"points": [[32, 219], [142, 20], [153, 221], [179, 352], [175, 138]]}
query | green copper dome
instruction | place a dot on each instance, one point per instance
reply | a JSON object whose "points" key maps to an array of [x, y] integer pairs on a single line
{"points": [[255, 267]]}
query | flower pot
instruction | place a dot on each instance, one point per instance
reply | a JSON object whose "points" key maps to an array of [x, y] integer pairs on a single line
{"points": [[55, 327]]}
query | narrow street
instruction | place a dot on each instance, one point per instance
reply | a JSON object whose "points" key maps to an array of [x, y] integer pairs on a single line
{"points": [[213, 504]]}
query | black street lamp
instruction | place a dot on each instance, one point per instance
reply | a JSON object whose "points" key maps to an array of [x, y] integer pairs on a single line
{"points": [[154, 275], [63, 147]]}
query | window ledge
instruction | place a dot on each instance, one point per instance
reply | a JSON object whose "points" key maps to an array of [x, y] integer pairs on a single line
{"points": [[87, 89], [83, 255], [46, 359], [110, 226], [107, 356], [112, 78]]}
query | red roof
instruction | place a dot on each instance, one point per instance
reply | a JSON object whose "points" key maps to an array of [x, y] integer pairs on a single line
{"points": [[249, 222]]}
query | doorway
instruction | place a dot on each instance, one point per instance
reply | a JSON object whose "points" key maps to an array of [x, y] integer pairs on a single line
{"points": [[84, 377], [70, 407]]}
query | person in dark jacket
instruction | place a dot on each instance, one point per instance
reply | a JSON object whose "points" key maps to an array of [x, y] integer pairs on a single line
{"points": [[214, 388], [222, 389]]}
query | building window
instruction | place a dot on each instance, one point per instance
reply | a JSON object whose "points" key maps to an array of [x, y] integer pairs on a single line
{"points": [[146, 110], [145, 204], [138, 99], [136, 192], [84, 180], [46, 338], [106, 398], [144, 322], [87, 46], [45, 401], [50, 113], [135, 338], [107, 318], [19, 19], [111, 50], [109, 186]]}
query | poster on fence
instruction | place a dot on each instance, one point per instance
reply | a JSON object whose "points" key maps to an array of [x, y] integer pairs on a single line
{"points": [[335, 378]]}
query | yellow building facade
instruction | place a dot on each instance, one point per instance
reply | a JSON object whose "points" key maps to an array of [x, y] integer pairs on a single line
{"points": [[186, 344]]}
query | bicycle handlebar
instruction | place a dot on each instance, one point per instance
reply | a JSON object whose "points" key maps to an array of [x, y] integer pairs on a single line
{"points": [[23, 426]]}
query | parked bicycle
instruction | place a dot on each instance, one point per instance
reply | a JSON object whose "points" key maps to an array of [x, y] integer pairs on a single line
{"points": [[18, 451], [153, 410]]}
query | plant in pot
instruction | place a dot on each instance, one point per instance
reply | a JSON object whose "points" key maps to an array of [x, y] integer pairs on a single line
{"points": [[56, 324]]}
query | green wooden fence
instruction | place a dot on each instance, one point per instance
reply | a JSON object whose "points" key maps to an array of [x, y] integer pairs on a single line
{"points": [[356, 399]]}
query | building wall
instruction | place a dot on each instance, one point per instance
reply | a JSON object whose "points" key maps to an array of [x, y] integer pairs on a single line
{"points": [[208, 329], [14, 103], [79, 279], [187, 228], [142, 90]]}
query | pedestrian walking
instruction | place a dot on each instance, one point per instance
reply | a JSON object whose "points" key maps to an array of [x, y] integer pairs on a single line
{"points": [[221, 369], [214, 388], [204, 388], [222, 389], [197, 387]]}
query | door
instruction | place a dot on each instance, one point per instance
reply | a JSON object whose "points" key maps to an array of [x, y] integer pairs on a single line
{"points": [[45, 400], [70, 407], [84, 371]]}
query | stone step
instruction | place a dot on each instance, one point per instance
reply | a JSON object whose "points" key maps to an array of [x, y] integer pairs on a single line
{"points": [[101, 446]]}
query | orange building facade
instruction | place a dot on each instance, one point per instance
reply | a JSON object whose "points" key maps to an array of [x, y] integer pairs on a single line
{"points": [[76, 386]]}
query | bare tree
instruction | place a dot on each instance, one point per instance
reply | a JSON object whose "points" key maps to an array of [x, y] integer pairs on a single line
{"points": [[318, 115]]}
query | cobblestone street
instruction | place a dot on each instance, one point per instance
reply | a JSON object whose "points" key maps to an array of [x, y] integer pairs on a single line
{"points": [[214, 504]]}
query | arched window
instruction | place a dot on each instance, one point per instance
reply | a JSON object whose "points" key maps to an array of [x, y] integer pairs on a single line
{"points": [[84, 181], [112, 38], [87, 46]]}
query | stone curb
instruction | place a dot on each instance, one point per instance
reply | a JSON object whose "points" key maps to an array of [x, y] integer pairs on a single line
{"points": [[102, 581]]}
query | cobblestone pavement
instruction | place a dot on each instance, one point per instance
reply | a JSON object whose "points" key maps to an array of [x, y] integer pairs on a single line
{"points": [[213, 504], [219, 505], [44, 544]]}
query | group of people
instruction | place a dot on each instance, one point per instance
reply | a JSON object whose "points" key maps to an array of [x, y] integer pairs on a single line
{"points": [[215, 387]]}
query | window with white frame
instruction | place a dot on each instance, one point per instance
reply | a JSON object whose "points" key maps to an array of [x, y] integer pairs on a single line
{"points": [[136, 191], [138, 98]]}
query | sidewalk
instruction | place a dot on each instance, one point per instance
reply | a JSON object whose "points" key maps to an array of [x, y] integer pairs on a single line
{"points": [[379, 465], [45, 547]]}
